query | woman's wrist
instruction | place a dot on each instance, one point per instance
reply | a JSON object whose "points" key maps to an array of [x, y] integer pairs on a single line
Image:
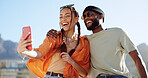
{"points": [[31, 53], [72, 62]]}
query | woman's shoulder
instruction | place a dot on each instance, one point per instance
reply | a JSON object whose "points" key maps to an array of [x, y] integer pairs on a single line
{"points": [[83, 37], [84, 40]]}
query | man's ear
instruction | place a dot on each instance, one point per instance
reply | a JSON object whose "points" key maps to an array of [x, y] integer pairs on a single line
{"points": [[101, 16]]}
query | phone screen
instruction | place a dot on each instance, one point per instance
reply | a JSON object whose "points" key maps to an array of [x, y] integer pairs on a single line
{"points": [[25, 31]]}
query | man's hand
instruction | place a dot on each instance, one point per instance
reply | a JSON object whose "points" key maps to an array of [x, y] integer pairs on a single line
{"points": [[52, 33]]}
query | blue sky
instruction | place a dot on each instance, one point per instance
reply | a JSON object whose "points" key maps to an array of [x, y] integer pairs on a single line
{"points": [[43, 15]]}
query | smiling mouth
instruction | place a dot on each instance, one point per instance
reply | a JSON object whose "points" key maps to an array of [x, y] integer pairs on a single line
{"points": [[65, 24], [87, 22]]}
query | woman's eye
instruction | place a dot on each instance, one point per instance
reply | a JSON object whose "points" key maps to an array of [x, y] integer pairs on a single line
{"points": [[67, 16]]}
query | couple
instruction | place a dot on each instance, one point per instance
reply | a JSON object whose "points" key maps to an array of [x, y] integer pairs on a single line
{"points": [[66, 54]]}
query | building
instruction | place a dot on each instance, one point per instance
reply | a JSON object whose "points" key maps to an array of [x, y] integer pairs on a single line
{"points": [[15, 69]]}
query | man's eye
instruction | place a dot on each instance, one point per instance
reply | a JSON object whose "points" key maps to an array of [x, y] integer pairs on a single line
{"points": [[84, 16], [92, 14]]}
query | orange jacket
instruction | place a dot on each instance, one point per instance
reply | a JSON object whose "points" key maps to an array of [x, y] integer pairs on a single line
{"points": [[49, 47]]}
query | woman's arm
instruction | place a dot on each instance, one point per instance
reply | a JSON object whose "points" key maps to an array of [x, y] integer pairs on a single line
{"points": [[21, 48], [80, 70], [34, 54]]}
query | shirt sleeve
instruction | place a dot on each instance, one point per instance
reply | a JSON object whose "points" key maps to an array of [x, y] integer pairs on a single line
{"points": [[85, 63], [126, 43], [47, 45]]}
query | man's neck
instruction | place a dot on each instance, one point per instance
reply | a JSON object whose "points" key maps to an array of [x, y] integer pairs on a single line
{"points": [[98, 29]]}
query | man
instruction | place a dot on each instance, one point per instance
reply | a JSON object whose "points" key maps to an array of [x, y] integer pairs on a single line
{"points": [[109, 47]]}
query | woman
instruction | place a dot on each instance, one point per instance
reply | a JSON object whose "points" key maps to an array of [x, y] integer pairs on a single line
{"points": [[65, 56]]}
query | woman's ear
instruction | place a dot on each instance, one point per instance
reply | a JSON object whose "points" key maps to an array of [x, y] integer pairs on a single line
{"points": [[76, 19]]}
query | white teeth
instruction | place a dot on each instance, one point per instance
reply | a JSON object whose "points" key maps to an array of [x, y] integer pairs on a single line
{"points": [[88, 22], [65, 23]]}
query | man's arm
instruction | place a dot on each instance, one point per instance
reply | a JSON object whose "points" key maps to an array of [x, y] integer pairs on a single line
{"points": [[140, 65]]}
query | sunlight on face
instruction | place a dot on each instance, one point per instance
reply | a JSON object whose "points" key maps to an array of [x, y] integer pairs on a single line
{"points": [[66, 19]]}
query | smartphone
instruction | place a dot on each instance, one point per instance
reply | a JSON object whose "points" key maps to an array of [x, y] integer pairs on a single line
{"points": [[26, 30]]}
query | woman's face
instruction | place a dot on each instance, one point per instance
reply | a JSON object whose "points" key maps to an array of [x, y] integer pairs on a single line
{"points": [[67, 20]]}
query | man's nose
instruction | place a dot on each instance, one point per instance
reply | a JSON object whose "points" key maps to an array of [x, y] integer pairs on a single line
{"points": [[86, 18]]}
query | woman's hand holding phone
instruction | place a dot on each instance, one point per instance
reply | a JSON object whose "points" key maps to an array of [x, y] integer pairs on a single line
{"points": [[25, 31], [25, 41]]}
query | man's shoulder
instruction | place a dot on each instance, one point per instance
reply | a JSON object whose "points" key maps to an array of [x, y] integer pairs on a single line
{"points": [[107, 30], [86, 36], [114, 29]]}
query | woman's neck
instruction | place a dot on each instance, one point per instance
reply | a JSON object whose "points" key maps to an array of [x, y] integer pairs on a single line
{"points": [[69, 33]]}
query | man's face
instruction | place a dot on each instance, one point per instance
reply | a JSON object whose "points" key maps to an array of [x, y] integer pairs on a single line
{"points": [[91, 19]]}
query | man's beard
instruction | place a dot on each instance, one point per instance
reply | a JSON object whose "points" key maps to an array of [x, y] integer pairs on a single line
{"points": [[94, 25]]}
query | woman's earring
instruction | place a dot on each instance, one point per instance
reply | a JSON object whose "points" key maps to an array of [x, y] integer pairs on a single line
{"points": [[75, 23], [60, 26]]}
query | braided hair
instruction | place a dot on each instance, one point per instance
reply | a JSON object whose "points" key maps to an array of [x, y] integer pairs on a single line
{"points": [[63, 46]]}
